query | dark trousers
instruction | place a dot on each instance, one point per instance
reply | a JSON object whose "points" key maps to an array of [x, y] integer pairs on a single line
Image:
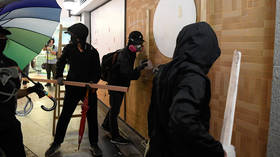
{"points": [[51, 68], [111, 119], [11, 139], [72, 96]]}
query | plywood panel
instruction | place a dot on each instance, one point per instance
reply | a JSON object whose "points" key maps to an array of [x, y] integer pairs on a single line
{"points": [[140, 90], [246, 25]]}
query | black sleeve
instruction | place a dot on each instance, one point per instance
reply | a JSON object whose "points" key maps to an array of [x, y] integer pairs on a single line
{"points": [[62, 62], [96, 65], [135, 74], [185, 122], [127, 72]]}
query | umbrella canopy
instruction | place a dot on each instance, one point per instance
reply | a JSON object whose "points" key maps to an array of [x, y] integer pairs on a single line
{"points": [[85, 108], [32, 23]]}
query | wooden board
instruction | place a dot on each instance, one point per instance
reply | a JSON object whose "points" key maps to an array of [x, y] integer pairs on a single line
{"points": [[226, 134], [83, 84], [249, 27]]}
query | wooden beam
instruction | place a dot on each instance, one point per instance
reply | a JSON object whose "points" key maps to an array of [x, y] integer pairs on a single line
{"points": [[226, 134], [147, 48], [83, 84], [203, 10], [60, 41]]}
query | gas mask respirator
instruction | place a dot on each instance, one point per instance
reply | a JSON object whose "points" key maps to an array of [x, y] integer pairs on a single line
{"points": [[135, 48]]}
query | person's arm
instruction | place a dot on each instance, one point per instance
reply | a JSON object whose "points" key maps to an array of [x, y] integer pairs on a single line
{"points": [[37, 88], [128, 73], [185, 123], [137, 71], [45, 48], [22, 93], [62, 62], [54, 51], [96, 67]]}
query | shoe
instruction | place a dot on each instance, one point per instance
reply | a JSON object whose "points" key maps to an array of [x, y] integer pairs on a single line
{"points": [[52, 150], [48, 84], [106, 128], [119, 140], [95, 150]]}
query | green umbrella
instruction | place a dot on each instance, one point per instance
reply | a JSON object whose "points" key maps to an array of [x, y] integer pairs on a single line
{"points": [[32, 23]]}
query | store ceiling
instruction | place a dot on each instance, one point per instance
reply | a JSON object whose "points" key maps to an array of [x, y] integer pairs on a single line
{"points": [[88, 6]]}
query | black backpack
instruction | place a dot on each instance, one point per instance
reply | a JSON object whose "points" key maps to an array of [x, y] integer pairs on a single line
{"points": [[106, 65]]}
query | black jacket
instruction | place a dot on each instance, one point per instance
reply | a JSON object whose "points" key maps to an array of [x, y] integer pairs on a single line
{"points": [[122, 71], [7, 109], [84, 66], [179, 113]]}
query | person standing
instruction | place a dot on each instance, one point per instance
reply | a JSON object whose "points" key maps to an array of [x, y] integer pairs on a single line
{"points": [[51, 52], [84, 67], [11, 142], [121, 74], [179, 113]]}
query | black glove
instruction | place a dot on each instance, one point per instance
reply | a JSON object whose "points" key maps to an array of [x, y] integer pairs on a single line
{"points": [[155, 70], [142, 65], [38, 89], [60, 80]]}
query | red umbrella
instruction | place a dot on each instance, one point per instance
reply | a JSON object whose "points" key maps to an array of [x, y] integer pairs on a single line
{"points": [[85, 108]]}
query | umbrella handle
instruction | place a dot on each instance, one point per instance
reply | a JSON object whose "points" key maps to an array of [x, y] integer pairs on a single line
{"points": [[47, 94], [53, 100]]}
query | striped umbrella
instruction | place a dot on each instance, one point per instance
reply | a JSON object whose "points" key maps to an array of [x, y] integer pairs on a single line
{"points": [[32, 23]]}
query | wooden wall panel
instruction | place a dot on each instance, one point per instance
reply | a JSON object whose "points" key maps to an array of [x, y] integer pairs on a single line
{"points": [[246, 25], [140, 91]]}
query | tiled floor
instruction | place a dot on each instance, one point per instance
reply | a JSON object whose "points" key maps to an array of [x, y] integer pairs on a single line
{"points": [[37, 132]]}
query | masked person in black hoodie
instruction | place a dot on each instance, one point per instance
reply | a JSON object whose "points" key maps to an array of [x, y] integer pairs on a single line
{"points": [[121, 74], [179, 113], [84, 67], [10, 128]]}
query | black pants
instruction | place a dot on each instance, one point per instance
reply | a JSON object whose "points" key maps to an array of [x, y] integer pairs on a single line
{"points": [[51, 68], [72, 96], [11, 139], [111, 119]]}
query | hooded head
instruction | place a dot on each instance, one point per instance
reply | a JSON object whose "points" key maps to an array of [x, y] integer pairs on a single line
{"points": [[198, 42], [3, 39], [78, 31]]}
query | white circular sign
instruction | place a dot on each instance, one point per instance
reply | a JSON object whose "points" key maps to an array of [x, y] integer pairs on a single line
{"points": [[170, 17]]}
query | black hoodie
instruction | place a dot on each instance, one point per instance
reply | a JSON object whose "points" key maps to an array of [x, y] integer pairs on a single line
{"points": [[179, 113]]}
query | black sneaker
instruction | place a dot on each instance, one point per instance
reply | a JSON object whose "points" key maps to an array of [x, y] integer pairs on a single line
{"points": [[106, 128], [52, 150], [95, 150], [119, 140], [48, 84]]}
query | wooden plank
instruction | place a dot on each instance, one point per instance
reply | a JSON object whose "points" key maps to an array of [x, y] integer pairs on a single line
{"points": [[147, 48], [203, 10], [83, 84], [60, 41], [226, 134]]}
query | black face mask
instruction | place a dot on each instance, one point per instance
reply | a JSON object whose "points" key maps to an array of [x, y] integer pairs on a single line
{"points": [[74, 40], [3, 43]]}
